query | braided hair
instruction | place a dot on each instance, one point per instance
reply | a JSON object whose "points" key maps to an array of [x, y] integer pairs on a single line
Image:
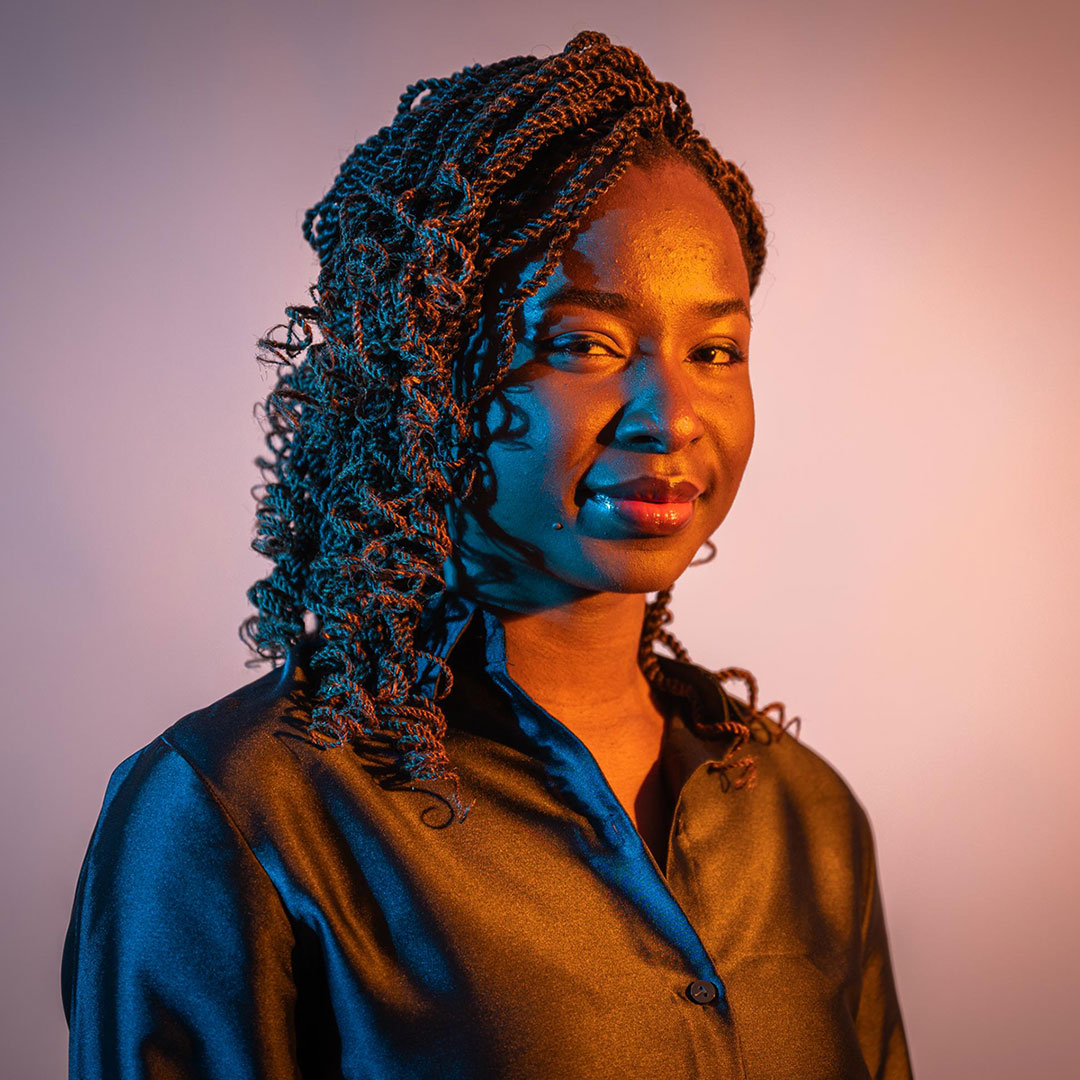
{"points": [[370, 425]]}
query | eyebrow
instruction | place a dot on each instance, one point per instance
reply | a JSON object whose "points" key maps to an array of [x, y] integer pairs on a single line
{"points": [[616, 303]]}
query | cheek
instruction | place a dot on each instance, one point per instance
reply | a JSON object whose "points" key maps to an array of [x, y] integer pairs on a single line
{"points": [[746, 431], [531, 466], [734, 431], [551, 425]]}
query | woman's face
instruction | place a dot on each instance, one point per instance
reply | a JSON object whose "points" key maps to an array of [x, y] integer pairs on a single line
{"points": [[627, 366]]}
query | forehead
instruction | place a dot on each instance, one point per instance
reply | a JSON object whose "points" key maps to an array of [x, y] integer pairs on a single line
{"points": [[655, 230]]}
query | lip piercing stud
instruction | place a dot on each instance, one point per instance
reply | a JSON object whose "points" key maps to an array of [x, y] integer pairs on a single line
{"points": [[557, 525]]}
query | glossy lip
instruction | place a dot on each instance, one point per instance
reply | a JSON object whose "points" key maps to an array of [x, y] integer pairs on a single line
{"points": [[645, 518], [651, 489]]}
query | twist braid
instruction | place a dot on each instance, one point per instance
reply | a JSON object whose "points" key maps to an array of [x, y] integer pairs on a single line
{"points": [[369, 427], [744, 720]]}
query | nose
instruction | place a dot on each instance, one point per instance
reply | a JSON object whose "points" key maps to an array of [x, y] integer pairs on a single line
{"points": [[660, 414]]}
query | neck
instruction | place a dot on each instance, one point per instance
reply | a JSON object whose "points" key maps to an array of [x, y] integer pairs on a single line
{"points": [[580, 660]]}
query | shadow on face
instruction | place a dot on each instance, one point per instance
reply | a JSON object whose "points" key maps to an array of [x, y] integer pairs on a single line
{"points": [[628, 361]]}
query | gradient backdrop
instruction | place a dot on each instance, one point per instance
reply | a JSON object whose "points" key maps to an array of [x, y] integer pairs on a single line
{"points": [[900, 567]]}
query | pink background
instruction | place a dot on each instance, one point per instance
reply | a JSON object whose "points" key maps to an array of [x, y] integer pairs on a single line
{"points": [[900, 567]]}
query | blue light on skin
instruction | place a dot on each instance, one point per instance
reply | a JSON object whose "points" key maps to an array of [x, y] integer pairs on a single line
{"points": [[612, 394], [639, 370]]}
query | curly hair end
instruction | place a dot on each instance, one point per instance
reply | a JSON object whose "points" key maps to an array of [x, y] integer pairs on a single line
{"points": [[369, 426]]}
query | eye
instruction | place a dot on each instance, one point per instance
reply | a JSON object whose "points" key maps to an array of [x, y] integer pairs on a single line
{"points": [[725, 355], [579, 346]]}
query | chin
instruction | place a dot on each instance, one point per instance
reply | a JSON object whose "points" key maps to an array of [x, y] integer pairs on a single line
{"points": [[640, 573]]}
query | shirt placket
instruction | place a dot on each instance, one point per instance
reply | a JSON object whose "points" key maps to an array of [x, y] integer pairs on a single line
{"points": [[620, 856]]}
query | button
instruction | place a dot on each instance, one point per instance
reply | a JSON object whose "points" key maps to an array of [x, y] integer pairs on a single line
{"points": [[701, 991]]}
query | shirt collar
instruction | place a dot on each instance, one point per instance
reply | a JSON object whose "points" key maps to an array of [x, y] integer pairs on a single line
{"points": [[445, 620], [442, 622]]}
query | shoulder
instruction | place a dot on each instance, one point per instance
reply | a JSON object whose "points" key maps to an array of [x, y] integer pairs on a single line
{"points": [[792, 767], [787, 771], [256, 724], [797, 795], [225, 757], [807, 801], [173, 873]]}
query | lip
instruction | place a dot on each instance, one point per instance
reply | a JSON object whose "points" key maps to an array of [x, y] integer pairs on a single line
{"points": [[648, 518], [651, 489]]}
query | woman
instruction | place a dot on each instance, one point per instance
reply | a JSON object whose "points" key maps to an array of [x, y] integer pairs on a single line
{"points": [[474, 825]]}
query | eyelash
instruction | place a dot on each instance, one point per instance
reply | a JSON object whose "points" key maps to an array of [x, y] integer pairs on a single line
{"points": [[735, 355]]}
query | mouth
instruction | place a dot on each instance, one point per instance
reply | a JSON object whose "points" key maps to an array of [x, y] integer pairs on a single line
{"points": [[652, 489]]}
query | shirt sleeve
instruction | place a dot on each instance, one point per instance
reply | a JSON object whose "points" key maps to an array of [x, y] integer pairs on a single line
{"points": [[878, 1023], [178, 958]]}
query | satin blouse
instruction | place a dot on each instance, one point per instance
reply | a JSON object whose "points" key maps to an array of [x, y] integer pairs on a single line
{"points": [[253, 905]]}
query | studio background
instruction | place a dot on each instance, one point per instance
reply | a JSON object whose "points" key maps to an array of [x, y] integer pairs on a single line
{"points": [[899, 567]]}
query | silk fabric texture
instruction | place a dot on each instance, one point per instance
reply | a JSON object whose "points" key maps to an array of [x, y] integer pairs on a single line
{"points": [[254, 905]]}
